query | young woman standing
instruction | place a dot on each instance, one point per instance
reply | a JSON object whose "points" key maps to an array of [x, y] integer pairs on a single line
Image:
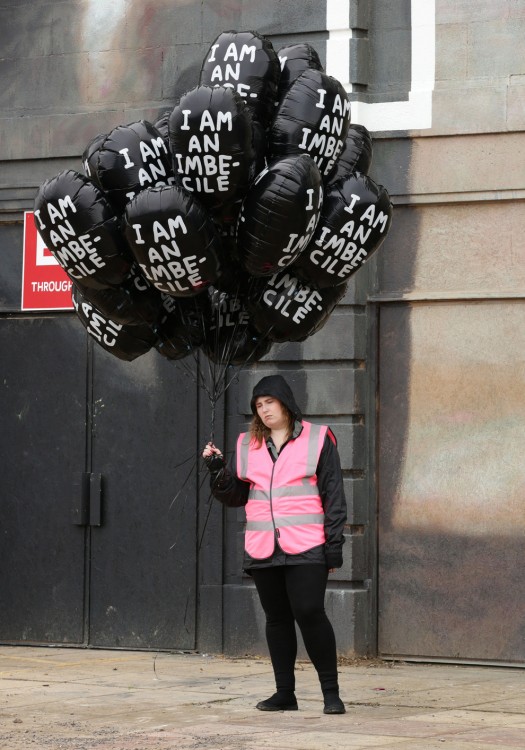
{"points": [[287, 474]]}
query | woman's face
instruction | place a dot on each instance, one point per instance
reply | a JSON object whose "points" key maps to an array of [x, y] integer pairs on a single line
{"points": [[271, 412]]}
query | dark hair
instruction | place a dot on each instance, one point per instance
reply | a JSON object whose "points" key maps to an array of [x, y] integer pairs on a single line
{"points": [[259, 431]]}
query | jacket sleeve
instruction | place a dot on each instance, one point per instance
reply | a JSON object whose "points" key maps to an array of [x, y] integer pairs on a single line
{"points": [[331, 489], [228, 488]]}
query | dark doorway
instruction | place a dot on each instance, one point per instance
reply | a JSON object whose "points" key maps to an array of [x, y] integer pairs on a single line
{"points": [[92, 549]]}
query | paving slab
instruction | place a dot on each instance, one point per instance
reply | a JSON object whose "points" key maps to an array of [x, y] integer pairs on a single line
{"points": [[87, 699]]}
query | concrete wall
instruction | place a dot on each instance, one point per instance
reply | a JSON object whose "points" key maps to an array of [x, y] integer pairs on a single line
{"points": [[449, 289]]}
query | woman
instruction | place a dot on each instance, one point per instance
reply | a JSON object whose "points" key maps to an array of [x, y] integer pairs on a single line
{"points": [[288, 477]]}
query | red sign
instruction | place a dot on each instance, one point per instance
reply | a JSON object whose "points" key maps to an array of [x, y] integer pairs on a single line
{"points": [[45, 284]]}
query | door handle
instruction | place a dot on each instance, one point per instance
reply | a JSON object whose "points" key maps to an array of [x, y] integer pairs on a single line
{"points": [[95, 500], [87, 508]]}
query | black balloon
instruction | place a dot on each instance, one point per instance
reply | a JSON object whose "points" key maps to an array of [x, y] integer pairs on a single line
{"points": [[238, 347], [162, 125], [90, 156], [260, 144], [287, 309], [230, 338], [229, 259], [180, 329], [82, 231], [212, 144], [173, 239], [226, 218], [124, 342], [246, 62], [313, 117], [232, 278], [235, 220], [356, 155], [294, 60], [130, 159], [134, 302], [355, 220], [279, 214]]}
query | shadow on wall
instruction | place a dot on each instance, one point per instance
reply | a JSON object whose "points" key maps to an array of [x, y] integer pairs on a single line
{"points": [[446, 600], [451, 421], [451, 504]]}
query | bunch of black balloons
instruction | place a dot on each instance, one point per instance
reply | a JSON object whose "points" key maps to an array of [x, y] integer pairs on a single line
{"points": [[231, 223]]}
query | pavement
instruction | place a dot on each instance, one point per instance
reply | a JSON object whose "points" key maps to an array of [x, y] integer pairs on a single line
{"points": [[53, 698]]}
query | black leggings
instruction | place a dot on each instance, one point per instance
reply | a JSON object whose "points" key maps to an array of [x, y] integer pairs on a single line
{"points": [[295, 593]]}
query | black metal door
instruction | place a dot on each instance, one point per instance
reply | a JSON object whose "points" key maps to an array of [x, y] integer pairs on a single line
{"points": [[42, 454], [92, 550], [143, 554]]}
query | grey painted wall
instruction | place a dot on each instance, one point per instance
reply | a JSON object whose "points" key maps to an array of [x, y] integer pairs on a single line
{"points": [[72, 70]]}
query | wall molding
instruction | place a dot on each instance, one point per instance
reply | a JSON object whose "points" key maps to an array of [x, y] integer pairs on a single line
{"points": [[473, 196]]}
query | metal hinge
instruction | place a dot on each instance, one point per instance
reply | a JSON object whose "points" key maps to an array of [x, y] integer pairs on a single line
{"points": [[87, 509]]}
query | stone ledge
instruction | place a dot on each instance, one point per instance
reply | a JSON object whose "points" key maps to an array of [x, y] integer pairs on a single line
{"points": [[244, 622]]}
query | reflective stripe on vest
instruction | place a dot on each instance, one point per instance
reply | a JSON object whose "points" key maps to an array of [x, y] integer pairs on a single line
{"points": [[284, 498]]}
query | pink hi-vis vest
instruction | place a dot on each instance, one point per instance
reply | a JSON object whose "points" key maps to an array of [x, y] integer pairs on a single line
{"points": [[284, 499]]}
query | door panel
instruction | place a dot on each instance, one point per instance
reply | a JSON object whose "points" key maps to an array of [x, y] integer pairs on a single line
{"points": [[143, 571], [141, 584], [451, 481], [42, 454]]}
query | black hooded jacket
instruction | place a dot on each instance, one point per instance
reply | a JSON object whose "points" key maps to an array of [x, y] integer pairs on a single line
{"points": [[233, 492], [276, 386]]}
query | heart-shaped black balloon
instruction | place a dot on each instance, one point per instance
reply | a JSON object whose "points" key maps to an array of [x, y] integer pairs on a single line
{"points": [[134, 302], [180, 329], [131, 158], [355, 220], [81, 229], [284, 308], [124, 342], [212, 145], [230, 338], [313, 118], [279, 214], [295, 59], [356, 155], [246, 62], [173, 239]]}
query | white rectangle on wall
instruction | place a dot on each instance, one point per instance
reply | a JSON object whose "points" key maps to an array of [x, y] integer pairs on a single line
{"points": [[414, 114]]}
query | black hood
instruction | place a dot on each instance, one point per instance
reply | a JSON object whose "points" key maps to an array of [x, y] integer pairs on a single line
{"points": [[276, 386]]}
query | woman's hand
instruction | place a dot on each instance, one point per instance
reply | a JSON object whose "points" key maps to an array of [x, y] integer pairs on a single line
{"points": [[213, 458], [210, 450]]}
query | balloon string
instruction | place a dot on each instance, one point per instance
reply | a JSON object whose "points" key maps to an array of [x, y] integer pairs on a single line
{"points": [[223, 352], [209, 363], [209, 505], [212, 428], [184, 461], [230, 347], [185, 482], [217, 354]]}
